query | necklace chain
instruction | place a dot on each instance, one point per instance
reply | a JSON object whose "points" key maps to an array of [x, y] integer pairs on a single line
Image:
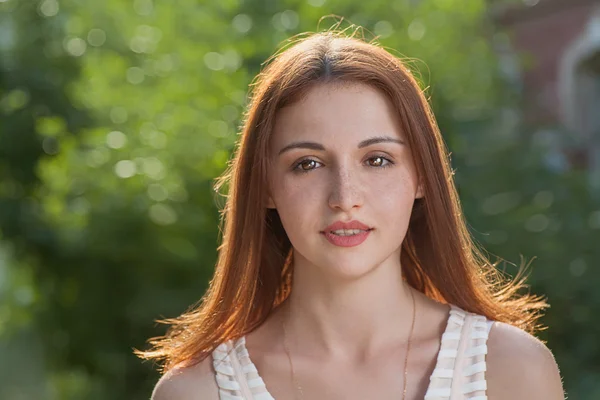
{"points": [[298, 388]]}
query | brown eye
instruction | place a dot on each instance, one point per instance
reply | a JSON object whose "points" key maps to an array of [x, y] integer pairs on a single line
{"points": [[378, 161], [307, 164]]}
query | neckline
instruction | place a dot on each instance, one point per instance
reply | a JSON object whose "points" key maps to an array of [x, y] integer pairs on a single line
{"points": [[240, 347]]}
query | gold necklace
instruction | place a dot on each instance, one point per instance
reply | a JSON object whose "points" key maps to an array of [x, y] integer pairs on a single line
{"points": [[295, 380]]}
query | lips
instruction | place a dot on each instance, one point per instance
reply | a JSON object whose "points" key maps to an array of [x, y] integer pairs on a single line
{"points": [[347, 240], [347, 225]]}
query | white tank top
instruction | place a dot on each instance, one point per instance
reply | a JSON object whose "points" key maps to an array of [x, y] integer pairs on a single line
{"points": [[459, 371]]}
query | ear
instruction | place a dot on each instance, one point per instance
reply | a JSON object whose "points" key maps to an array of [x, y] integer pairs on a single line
{"points": [[270, 203], [420, 191]]}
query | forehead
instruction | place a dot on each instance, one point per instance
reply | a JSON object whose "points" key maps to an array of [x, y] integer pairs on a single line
{"points": [[336, 113]]}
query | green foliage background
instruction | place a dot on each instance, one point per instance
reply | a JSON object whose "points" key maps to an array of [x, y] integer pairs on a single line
{"points": [[116, 116]]}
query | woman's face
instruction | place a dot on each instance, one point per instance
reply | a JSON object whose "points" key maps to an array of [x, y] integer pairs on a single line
{"points": [[339, 155]]}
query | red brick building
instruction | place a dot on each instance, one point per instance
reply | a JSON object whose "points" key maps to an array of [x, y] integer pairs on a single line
{"points": [[560, 81]]}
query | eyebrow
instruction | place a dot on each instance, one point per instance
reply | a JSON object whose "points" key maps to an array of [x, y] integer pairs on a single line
{"points": [[320, 147]]}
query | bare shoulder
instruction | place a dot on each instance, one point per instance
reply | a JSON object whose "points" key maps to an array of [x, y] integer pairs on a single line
{"points": [[519, 366], [196, 382]]}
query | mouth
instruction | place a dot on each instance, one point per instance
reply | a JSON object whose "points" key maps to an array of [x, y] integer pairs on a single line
{"points": [[347, 237], [349, 228], [347, 232]]}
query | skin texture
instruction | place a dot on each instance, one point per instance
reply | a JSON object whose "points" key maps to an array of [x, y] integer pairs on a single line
{"points": [[376, 184], [349, 312]]}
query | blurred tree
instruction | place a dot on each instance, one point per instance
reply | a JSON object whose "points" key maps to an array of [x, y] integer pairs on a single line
{"points": [[117, 115]]}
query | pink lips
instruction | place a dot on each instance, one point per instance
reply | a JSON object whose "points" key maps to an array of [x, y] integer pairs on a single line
{"points": [[347, 241]]}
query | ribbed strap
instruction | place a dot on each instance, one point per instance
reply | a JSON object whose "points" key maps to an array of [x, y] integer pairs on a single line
{"points": [[460, 370], [236, 375], [470, 383]]}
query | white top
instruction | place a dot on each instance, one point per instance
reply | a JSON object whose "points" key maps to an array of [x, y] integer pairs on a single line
{"points": [[459, 372]]}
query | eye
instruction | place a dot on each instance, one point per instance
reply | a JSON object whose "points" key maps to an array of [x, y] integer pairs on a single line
{"points": [[306, 165], [379, 162]]}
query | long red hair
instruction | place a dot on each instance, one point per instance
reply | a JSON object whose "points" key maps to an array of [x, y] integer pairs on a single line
{"points": [[254, 269]]}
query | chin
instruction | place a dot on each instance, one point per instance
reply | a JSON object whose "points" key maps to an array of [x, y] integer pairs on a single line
{"points": [[348, 267]]}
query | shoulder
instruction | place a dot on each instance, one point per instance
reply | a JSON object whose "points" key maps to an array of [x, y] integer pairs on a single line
{"points": [[188, 383], [520, 366]]}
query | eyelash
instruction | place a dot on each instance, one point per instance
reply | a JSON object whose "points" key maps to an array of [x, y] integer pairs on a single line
{"points": [[304, 171]]}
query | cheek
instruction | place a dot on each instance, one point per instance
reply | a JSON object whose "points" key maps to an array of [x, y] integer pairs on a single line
{"points": [[298, 190], [393, 196], [296, 201]]}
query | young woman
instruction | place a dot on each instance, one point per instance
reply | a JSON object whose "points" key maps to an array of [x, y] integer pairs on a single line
{"points": [[346, 270]]}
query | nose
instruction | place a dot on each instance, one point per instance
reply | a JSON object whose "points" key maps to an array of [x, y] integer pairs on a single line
{"points": [[346, 190]]}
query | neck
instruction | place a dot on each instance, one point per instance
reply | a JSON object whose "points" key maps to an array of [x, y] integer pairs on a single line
{"points": [[348, 318]]}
